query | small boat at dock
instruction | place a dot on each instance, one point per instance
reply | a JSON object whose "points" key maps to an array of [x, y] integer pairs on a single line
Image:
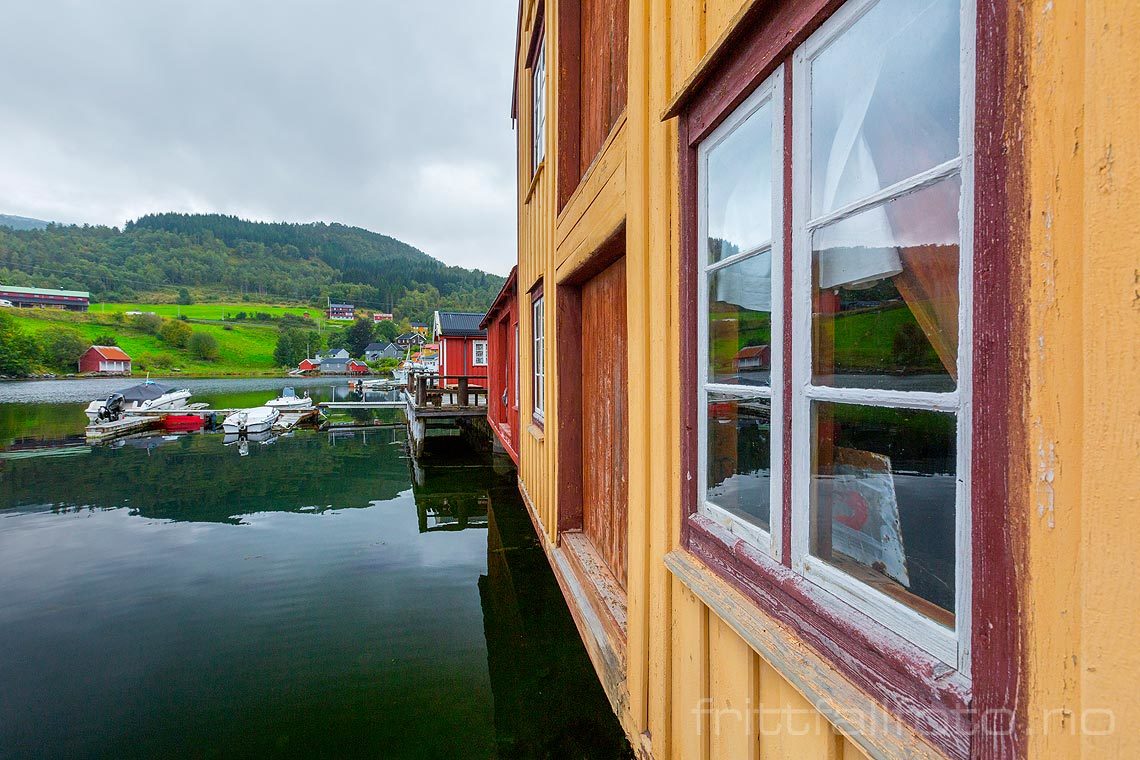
{"points": [[146, 396], [260, 419], [289, 401]]}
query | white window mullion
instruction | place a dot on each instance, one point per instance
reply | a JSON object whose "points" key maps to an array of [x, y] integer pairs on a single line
{"points": [[963, 523]]}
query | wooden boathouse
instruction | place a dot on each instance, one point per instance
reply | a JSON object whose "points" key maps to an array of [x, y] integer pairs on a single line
{"points": [[853, 287], [502, 327]]}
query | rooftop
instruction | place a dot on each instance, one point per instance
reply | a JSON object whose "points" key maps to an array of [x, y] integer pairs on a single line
{"points": [[461, 324]]}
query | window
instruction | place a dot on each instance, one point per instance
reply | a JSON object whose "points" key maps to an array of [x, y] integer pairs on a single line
{"points": [[480, 354], [516, 398], [739, 296], [538, 325], [538, 107], [881, 201]]}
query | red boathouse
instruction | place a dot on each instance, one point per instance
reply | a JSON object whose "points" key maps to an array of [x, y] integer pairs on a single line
{"points": [[462, 347], [502, 327]]}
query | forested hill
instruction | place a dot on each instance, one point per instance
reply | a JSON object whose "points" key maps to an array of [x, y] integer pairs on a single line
{"points": [[211, 253]]}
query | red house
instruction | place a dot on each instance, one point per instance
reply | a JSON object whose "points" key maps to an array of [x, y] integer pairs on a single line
{"points": [[309, 365], [105, 360], [462, 347], [502, 326], [356, 368]]}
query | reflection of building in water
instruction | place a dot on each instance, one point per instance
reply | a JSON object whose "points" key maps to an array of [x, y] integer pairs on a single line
{"points": [[445, 498], [532, 643]]}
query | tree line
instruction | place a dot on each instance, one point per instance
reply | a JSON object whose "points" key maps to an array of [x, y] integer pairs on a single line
{"points": [[225, 255]]}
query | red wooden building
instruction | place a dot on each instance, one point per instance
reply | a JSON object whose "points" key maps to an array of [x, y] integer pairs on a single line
{"points": [[309, 365], [502, 326], [462, 347], [106, 360]]}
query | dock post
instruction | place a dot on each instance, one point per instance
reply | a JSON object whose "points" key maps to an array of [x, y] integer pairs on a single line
{"points": [[463, 391]]}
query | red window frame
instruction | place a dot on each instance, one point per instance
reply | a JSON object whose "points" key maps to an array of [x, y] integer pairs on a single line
{"points": [[980, 714]]}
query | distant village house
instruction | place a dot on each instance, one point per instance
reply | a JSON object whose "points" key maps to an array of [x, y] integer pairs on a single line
{"points": [[69, 300], [341, 312], [105, 360], [409, 339], [377, 351]]}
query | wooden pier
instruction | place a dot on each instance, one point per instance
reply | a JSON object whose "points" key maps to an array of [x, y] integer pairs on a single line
{"points": [[140, 421], [433, 401]]}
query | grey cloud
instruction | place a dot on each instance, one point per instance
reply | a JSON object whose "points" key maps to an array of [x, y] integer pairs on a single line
{"points": [[389, 115]]}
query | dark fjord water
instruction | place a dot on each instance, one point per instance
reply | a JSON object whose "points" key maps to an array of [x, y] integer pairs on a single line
{"points": [[168, 597]]}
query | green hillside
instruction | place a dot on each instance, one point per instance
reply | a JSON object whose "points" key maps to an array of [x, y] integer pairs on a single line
{"points": [[244, 348], [226, 259]]}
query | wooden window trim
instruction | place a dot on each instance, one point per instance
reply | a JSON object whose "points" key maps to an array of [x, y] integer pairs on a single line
{"points": [[982, 715], [534, 45], [538, 416]]}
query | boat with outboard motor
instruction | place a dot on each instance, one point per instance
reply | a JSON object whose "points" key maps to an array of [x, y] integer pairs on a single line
{"points": [[257, 420], [146, 396], [289, 401]]}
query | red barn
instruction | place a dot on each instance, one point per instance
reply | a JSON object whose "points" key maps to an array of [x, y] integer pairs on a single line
{"points": [[462, 346], [106, 360], [502, 326]]}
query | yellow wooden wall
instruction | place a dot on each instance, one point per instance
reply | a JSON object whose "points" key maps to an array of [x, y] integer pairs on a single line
{"points": [[537, 194], [1081, 348]]}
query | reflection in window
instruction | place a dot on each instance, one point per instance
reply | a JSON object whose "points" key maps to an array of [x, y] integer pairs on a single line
{"points": [[738, 299], [740, 322], [883, 496], [886, 300], [884, 100], [739, 456], [739, 194]]}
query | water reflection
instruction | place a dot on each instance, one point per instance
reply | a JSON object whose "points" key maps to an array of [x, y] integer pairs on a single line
{"points": [[308, 599]]}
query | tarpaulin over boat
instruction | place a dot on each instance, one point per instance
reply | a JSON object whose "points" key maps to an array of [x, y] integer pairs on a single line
{"points": [[144, 392]]}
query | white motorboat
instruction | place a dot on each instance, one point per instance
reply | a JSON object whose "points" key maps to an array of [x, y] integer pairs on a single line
{"points": [[289, 401], [257, 420], [146, 396]]}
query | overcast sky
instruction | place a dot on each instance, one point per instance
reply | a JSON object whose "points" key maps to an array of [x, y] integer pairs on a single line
{"points": [[393, 115]]}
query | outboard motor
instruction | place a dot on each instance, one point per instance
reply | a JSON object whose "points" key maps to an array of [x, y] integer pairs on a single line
{"points": [[113, 409]]}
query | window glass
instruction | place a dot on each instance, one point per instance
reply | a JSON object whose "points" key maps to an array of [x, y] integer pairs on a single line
{"points": [[739, 188], [740, 322], [884, 100], [883, 501], [739, 457], [538, 96], [539, 360], [885, 309]]}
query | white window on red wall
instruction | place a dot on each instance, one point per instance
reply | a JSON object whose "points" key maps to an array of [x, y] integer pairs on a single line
{"points": [[480, 356]]}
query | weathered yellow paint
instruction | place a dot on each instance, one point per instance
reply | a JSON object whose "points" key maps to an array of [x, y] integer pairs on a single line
{"points": [[684, 667], [1083, 355]]}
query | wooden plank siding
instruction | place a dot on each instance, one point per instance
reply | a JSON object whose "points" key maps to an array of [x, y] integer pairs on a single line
{"points": [[702, 671], [605, 416]]}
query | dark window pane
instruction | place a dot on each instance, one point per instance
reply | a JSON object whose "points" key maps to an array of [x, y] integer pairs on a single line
{"points": [[740, 457], [740, 322], [739, 198], [885, 310], [883, 498], [884, 100]]}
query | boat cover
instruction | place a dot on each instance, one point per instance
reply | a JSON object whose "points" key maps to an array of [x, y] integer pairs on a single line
{"points": [[144, 392]]}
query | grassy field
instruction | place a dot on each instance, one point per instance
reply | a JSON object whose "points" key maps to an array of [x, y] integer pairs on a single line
{"points": [[210, 311], [245, 348]]}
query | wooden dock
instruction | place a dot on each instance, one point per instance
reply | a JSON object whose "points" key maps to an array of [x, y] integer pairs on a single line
{"points": [[441, 401], [136, 421]]}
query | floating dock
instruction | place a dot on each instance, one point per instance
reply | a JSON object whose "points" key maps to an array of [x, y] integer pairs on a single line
{"points": [[136, 421]]}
